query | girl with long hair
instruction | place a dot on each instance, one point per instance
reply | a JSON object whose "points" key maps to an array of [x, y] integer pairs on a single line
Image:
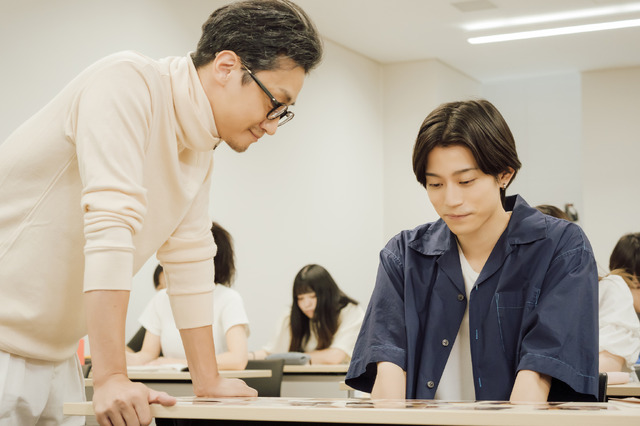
{"points": [[323, 321]]}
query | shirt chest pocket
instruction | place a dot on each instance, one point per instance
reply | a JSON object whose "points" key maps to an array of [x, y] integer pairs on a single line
{"points": [[511, 307]]}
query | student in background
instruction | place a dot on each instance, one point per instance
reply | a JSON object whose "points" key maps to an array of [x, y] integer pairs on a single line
{"points": [[553, 211], [230, 322], [625, 261], [135, 344], [323, 321], [494, 301], [93, 203], [619, 328]]}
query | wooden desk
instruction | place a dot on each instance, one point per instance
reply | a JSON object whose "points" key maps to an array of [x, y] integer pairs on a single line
{"points": [[627, 389], [259, 411], [176, 383], [313, 381]]}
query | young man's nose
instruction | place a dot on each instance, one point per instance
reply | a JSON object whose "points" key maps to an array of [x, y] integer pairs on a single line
{"points": [[452, 195]]}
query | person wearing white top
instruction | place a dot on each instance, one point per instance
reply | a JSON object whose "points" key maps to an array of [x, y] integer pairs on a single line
{"points": [[230, 323], [323, 321], [619, 325], [619, 304]]}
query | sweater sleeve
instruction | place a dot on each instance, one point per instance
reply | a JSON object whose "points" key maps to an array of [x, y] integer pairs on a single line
{"points": [[187, 258], [109, 125]]}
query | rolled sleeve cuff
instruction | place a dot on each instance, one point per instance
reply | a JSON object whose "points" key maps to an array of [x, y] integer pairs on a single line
{"points": [[190, 289], [108, 270], [363, 371], [562, 371], [192, 310]]}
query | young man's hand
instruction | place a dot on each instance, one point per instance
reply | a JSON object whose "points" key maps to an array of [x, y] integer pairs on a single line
{"points": [[119, 402]]}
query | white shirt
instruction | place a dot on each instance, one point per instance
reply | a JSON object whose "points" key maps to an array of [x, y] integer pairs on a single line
{"points": [[456, 383], [349, 323], [228, 311], [619, 325]]}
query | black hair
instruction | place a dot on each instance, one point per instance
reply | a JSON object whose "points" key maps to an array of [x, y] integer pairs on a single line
{"points": [[625, 259], [156, 276], [260, 32], [224, 261], [474, 124], [554, 211], [330, 300]]}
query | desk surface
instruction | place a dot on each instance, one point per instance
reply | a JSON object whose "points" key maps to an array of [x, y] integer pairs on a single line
{"points": [[401, 412], [627, 389], [316, 369]]}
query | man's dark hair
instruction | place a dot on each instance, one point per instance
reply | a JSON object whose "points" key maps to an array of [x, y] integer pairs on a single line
{"points": [[261, 33], [476, 125]]}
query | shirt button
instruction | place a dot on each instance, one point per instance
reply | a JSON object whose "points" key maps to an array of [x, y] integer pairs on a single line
{"points": [[430, 384], [445, 342], [461, 297]]}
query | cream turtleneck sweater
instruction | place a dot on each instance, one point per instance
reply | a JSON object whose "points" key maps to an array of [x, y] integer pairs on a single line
{"points": [[114, 169]]}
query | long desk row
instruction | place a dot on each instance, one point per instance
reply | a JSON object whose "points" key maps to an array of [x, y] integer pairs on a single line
{"points": [[298, 411]]}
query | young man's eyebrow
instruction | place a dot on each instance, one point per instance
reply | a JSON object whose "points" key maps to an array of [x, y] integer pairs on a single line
{"points": [[458, 172]]}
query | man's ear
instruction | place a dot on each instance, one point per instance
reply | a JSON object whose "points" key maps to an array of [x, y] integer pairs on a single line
{"points": [[505, 177], [224, 64]]}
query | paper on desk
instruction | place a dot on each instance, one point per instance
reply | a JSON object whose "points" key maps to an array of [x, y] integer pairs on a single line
{"points": [[162, 367]]}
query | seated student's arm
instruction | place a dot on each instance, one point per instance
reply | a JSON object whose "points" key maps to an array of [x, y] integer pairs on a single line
{"points": [[530, 386], [391, 382], [328, 356], [610, 362], [236, 357], [150, 350], [279, 342], [261, 354]]}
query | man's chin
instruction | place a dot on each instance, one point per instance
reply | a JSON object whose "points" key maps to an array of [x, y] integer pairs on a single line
{"points": [[238, 147]]}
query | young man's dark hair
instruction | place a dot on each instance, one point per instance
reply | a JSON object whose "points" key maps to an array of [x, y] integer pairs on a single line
{"points": [[477, 125], [260, 32]]}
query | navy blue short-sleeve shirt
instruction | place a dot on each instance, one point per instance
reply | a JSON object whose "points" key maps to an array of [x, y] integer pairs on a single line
{"points": [[533, 307]]}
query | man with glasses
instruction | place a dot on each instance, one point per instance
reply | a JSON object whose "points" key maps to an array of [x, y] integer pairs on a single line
{"points": [[116, 169]]}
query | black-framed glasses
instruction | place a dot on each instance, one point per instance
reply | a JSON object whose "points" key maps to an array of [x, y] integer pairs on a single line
{"points": [[279, 110]]}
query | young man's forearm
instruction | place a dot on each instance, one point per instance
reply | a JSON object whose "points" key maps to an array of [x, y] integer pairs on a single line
{"points": [[391, 382], [531, 386]]}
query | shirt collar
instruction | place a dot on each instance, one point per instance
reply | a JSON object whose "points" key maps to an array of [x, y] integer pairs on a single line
{"points": [[525, 226]]}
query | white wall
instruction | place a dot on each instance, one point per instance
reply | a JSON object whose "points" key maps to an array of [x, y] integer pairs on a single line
{"points": [[411, 91], [611, 152], [544, 115]]}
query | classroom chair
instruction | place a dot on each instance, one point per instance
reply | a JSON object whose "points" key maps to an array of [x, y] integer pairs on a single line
{"points": [[266, 386]]}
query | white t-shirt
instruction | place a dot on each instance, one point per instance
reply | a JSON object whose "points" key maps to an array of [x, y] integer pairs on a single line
{"points": [[619, 325], [228, 310], [349, 323], [456, 383]]}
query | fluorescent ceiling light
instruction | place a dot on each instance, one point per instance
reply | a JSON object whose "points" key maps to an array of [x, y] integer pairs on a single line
{"points": [[555, 31], [552, 17]]}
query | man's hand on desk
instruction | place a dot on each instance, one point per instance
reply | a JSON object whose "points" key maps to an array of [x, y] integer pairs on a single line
{"points": [[226, 387], [117, 401]]}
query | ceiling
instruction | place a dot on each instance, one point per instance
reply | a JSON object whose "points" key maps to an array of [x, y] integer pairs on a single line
{"points": [[408, 30]]}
